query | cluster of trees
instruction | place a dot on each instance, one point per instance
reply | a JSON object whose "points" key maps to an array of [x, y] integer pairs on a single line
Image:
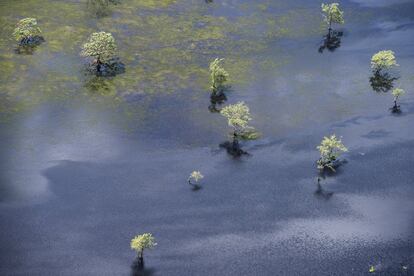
{"points": [[100, 47]]}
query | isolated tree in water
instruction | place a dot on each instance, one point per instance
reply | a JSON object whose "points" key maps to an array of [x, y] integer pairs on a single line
{"points": [[381, 65], [218, 76], [27, 32], [330, 149], [238, 117], [141, 242], [332, 14], [397, 92], [382, 61], [100, 46], [195, 176]]}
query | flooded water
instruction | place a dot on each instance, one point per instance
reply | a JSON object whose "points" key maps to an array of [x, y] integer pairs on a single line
{"points": [[87, 162]]}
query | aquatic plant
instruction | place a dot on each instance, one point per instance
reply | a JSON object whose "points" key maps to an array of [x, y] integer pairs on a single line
{"points": [[195, 176], [397, 92], [332, 14], [218, 75], [27, 32], [100, 46], [141, 242], [383, 60], [330, 149]]}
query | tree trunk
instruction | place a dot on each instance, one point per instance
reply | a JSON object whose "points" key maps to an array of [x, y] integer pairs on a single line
{"points": [[99, 64]]}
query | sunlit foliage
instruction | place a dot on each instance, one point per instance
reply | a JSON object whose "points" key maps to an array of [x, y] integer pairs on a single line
{"points": [[195, 176], [383, 60], [330, 149], [141, 242], [218, 75], [238, 117], [26, 29], [332, 14], [100, 46]]}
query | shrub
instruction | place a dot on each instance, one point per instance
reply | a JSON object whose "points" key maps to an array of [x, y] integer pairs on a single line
{"points": [[27, 31]]}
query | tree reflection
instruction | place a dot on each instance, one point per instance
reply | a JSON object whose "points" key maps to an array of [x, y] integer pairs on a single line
{"points": [[101, 8], [331, 41], [382, 81], [138, 268], [217, 99], [322, 193]]}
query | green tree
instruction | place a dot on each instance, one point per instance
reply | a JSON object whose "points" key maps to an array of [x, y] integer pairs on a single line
{"points": [[383, 60], [26, 31], [141, 242], [330, 149], [218, 75], [397, 92], [100, 46], [238, 117], [332, 14]]}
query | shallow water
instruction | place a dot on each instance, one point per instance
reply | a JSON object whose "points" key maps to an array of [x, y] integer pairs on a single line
{"points": [[87, 162]]}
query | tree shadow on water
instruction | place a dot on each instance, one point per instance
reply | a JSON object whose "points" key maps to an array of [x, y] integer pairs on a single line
{"points": [[27, 46], [233, 148], [382, 82], [215, 100], [321, 192], [138, 268], [331, 41]]}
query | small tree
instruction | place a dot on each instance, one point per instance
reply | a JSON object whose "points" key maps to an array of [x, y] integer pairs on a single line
{"points": [[383, 60], [330, 149], [27, 32], [141, 242], [195, 176], [100, 46], [238, 117], [332, 14], [218, 75], [397, 92]]}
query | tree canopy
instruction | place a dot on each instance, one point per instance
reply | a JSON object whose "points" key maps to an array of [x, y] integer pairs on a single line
{"points": [[26, 28], [397, 92], [383, 60], [332, 14], [101, 46], [330, 149], [141, 242], [218, 74], [196, 176], [238, 116]]}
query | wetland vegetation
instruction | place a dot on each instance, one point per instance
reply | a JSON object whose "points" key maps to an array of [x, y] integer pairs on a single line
{"points": [[106, 105]]}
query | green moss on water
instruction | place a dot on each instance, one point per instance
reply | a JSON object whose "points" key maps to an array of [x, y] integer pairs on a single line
{"points": [[165, 45]]}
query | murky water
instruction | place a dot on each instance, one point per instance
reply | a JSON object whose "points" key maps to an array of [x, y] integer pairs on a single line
{"points": [[87, 163]]}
